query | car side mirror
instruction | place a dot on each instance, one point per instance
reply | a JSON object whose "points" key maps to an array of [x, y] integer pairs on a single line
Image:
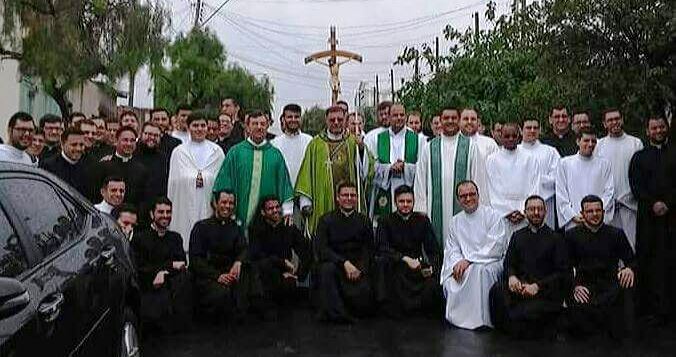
{"points": [[13, 297]]}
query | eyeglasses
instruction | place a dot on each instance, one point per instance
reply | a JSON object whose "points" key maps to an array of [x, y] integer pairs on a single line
{"points": [[24, 130]]}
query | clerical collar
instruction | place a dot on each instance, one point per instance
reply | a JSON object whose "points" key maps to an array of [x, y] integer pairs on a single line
{"points": [[123, 158], [257, 145], [531, 144], [405, 217], [561, 136], [334, 137], [401, 132], [292, 135], [593, 229], [68, 160], [159, 233], [105, 207], [536, 229], [347, 213], [657, 146], [451, 137]]}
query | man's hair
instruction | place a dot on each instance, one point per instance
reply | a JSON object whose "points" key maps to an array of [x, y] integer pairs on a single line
{"points": [[466, 182], [122, 129], [345, 184], [70, 131], [123, 208], [160, 200], [159, 110], [292, 107], [183, 107], [523, 121], [76, 114], [558, 106], [49, 118], [195, 116], [85, 122], [19, 116], [256, 114], [38, 131], [211, 118], [512, 124], [478, 115], [234, 100], [343, 102], [590, 199], [128, 112], [414, 113], [583, 111], [656, 117], [501, 122], [402, 190], [386, 104], [334, 109], [147, 124], [610, 110], [112, 120], [532, 198], [585, 131], [217, 194], [112, 178]]}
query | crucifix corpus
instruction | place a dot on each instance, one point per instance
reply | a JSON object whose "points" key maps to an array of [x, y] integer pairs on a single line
{"points": [[333, 58]]}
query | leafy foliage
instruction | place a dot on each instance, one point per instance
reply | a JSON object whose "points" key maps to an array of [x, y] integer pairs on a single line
{"points": [[198, 76], [313, 120]]}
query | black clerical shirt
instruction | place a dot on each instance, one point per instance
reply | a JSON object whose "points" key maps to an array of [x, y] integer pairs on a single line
{"points": [[342, 237], [215, 244], [152, 254], [277, 243], [399, 236], [73, 173], [566, 145]]}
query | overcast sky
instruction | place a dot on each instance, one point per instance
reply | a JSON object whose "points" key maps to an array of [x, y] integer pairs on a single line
{"points": [[272, 37]]}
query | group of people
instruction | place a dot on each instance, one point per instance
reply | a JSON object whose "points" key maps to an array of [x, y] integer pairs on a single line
{"points": [[506, 232]]}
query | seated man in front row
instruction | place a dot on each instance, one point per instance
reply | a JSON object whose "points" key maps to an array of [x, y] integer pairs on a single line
{"points": [[345, 249], [473, 256], [410, 256], [529, 300], [279, 252], [603, 289], [218, 253], [160, 261]]}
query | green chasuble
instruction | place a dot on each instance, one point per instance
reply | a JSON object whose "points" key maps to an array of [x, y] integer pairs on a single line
{"points": [[252, 173], [325, 165], [382, 202]]}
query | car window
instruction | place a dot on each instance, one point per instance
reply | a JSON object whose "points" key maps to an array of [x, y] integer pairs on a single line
{"points": [[12, 258], [44, 213]]}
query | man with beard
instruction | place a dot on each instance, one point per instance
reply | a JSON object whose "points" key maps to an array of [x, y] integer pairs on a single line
{"points": [[346, 251], [20, 129], [230, 107], [181, 128], [652, 186], [123, 163], [225, 138], [113, 192], [604, 267], [528, 300], [473, 253], [443, 164], [331, 157], [52, 127], [218, 261], [618, 148], [514, 176], [548, 162], [280, 253], [469, 126], [293, 142], [396, 156], [561, 137], [410, 260], [155, 161], [157, 252], [130, 119], [383, 112], [68, 164], [253, 169], [160, 117]]}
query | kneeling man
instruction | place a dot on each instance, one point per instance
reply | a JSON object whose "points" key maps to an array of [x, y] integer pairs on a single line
{"points": [[473, 254]]}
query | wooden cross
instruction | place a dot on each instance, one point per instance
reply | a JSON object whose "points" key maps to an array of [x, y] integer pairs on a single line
{"points": [[333, 58]]}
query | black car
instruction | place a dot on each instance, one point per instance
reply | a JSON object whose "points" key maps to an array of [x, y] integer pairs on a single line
{"points": [[67, 283]]}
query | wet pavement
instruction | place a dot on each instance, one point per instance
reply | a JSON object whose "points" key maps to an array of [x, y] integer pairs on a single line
{"points": [[299, 334]]}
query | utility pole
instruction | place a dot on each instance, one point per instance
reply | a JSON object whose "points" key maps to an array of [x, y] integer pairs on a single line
{"points": [[375, 97], [198, 13], [334, 59], [392, 84], [416, 69], [377, 91], [436, 55], [476, 27]]}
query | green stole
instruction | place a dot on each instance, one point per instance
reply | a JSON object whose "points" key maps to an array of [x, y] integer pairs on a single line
{"points": [[382, 204], [460, 172]]}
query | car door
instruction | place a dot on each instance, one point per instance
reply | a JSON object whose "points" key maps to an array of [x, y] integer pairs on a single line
{"points": [[61, 285]]}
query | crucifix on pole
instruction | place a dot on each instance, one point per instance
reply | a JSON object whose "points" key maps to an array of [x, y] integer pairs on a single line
{"points": [[333, 58]]}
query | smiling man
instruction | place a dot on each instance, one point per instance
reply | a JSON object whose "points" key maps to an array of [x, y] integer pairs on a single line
{"points": [[253, 169], [192, 172], [561, 137], [293, 142], [20, 131], [68, 164]]}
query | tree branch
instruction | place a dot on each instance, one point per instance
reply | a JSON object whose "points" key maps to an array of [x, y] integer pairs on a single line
{"points": [[9, 54]]}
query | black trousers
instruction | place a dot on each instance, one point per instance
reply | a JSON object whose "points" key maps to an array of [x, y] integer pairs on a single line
{"points": [[524, 317], [170, 306], [340, 298], [611, 310], [400, 290]]}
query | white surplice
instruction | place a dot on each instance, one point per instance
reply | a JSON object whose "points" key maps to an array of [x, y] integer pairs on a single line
{"points": [[11, 154], [371, 139], [384, 178], [184, 136], [619, 151], [487, 146], [423, 178], [512, 175], [480, 238], [578, 176], [292, 148], [548, 161], [192, 203]]}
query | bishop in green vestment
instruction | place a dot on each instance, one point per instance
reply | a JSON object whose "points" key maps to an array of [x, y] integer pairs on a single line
{"points": [[253, 169], [331, 157]]}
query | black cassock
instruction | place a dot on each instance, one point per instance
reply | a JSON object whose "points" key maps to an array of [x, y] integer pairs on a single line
{"points": [[215, 245], [135, 176], [167, 144], [399, 288], [651, 181], [596, 257], [157, 166], [169, 306], [533, 257], [269, 246], [74, 174], [341, 238], [565, 145]]}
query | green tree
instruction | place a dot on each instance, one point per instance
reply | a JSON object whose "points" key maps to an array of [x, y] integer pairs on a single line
{"points": [[68, 42], [314, 120], [198, 75]]}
